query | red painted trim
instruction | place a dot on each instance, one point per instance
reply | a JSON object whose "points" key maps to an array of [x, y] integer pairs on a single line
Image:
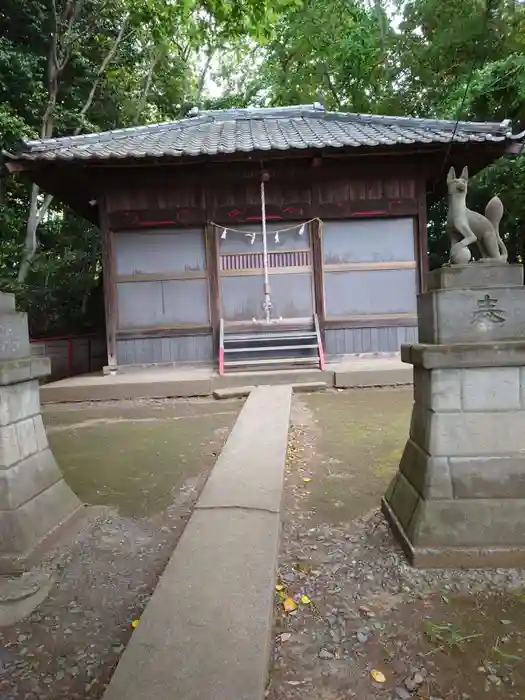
{"points": [[69, 354], [321, 354], [369, 213], [64, 337]]}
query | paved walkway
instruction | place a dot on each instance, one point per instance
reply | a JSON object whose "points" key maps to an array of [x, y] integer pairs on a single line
{"points": [[206, 633]]}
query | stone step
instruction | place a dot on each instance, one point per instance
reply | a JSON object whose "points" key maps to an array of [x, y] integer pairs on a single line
{"points": [[239, 392]]}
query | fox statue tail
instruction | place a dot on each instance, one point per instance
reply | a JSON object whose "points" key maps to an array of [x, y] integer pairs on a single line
{"points": [[494, 212]]}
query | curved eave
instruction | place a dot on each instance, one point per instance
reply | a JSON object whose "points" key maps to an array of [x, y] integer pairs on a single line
{"points": [[75, 155]]}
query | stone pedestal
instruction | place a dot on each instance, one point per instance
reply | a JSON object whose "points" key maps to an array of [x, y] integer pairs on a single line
{"points": [[34, 498], [458, 499]]}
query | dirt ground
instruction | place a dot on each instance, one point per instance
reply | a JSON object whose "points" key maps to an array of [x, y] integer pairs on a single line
{"points": [[144, 465], [370, 626]]}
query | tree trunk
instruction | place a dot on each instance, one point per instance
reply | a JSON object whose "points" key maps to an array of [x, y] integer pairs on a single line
{"points": [[56, 67], [30, 242]]}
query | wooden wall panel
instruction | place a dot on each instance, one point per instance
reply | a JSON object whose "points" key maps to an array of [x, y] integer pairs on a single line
{"points": [[242, 296], [162, 303], [349, 341], [365, 292], [148, 252], [154, 188], [192, 349], [366, 240]]}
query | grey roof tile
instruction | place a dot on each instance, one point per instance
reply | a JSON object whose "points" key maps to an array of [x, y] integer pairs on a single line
{"points": [[245, 130]]}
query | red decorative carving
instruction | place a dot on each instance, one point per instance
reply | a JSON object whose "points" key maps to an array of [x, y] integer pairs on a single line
{"points": [[353, 209], [252, 213], [156, 218]]}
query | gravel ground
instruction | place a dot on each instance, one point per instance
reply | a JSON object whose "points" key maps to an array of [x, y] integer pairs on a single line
{"points": [[371, 627], [149, 458]]}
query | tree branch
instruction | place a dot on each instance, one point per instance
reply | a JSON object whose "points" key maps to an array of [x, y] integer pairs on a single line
{"points": [[204, 73], [101, 70], [337, 101], [155, 58]]}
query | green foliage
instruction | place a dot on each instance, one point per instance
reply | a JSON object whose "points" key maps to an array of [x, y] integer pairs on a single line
{"points": [[432, 58], [153, 75]]}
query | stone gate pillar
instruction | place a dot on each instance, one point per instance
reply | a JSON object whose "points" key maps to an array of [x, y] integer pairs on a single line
{"points": [[458, 498], [34, 498]]}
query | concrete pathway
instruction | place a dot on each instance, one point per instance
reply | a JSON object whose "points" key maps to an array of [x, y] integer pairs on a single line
{"points": [[184, 381], [206, 633]]}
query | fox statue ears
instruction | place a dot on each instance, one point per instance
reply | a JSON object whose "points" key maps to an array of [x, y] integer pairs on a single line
{"points": [[452, 175]]}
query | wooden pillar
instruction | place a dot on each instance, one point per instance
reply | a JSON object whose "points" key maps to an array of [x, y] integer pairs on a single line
{"points": [[110, 286], [422, 233], [316, 237], [212, 265]]}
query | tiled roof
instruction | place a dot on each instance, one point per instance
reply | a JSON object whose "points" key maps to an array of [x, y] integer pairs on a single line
{"points": [[245, 130]]}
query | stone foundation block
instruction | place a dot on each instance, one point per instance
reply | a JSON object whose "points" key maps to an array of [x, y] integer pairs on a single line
{"points": [[27, 479], [19, 401], [468, 434], [22, 370], [14, 336], [403, 500], [40, 433], [438, 388], [26, 436], [472, 276], [471, 315], [430, 476], [7, 302], [488, 477], [22, 529], [9, 452], [490, 389], [457, 355], [467, 523]]}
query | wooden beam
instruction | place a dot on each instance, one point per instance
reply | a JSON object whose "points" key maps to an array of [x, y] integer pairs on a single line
{"points": [[110, 286], [387, 265], [19, 166], [163, 276], [163, 332], [156, 218], [375, 321]]}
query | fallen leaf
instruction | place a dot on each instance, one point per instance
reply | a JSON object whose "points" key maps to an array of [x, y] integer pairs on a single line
{"points": [[506, 622], [305, 600], [378, 676], [134, 623], [279, 587], [285, 636], [289, 604], [307, 479]]}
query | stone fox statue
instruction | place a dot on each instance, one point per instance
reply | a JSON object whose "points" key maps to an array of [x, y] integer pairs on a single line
{"points": [[465, 226]]}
